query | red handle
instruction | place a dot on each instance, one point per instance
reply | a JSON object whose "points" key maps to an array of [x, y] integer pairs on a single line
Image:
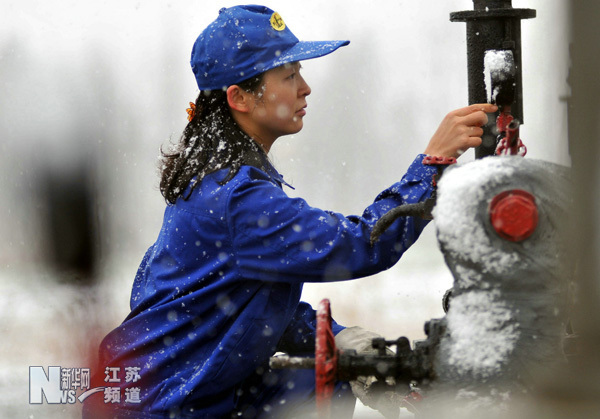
{"points": [[326, 357]]}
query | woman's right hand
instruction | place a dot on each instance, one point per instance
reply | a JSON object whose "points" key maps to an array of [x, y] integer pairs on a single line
{"points": [[460, 130]]}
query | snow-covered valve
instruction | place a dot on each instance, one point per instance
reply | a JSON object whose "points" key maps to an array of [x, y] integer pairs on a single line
{"points": [[494, 39]]}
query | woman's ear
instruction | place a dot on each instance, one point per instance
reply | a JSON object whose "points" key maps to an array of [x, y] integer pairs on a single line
{"points": [[238, 99]]}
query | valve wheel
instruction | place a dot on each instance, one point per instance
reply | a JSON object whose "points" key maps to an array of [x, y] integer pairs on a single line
{"points": [[326, 358]]}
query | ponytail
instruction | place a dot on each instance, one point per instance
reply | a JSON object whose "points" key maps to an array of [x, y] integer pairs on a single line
{"points": [[211, 141]]}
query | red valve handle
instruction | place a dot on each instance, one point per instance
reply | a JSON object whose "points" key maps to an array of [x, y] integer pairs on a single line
{"points": [[510, 144], [326, 358]]}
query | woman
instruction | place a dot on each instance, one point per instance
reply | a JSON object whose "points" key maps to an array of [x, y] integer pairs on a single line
{"points": [[218, 293]]}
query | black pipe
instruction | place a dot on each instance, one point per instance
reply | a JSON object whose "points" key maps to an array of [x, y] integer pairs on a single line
{"points": [[494, 25]]}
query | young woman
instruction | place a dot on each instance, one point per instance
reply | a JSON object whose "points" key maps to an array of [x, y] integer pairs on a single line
{"points": [[218, 293]]}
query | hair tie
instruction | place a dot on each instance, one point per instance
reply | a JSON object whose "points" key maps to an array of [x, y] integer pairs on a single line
{"points": [[191, 111]]}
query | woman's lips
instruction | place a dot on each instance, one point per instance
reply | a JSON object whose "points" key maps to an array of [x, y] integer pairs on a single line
{"points": [[301, 111]]}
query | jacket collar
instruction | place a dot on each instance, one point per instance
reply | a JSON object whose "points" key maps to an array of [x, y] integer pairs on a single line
{"points": [[260, 160]]}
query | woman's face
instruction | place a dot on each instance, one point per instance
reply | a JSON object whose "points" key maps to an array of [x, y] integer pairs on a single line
{"points": [[279, 104]]}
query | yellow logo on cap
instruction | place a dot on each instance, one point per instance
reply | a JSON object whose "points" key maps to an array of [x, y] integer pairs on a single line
{"points": [[277, 22]]}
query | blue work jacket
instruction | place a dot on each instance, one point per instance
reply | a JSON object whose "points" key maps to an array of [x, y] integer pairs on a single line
{"points": [[218, 293]]}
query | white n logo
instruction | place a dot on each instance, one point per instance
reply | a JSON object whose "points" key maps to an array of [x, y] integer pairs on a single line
{"points": [[47, 385]]}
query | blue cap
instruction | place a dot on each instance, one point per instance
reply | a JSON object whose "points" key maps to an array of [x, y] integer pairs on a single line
{"points": [[245, 41]]}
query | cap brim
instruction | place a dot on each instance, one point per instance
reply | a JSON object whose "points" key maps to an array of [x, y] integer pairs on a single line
{"points": [[305, 50]]}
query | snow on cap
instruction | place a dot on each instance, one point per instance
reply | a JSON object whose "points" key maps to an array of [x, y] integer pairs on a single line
{"points": [[245, 41]]}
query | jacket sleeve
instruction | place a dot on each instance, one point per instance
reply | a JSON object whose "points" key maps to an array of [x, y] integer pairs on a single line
{"points": [[278, 238], [299, 337]]}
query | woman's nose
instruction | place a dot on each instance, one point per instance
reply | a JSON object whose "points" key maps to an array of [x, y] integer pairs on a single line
{"points": [[304, 89]]}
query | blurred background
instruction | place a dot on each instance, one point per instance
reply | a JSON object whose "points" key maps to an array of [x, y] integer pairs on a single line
{"points": [[91, 90]]}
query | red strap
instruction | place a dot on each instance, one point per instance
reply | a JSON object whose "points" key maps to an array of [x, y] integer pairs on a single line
{"points": [[435, 160]]}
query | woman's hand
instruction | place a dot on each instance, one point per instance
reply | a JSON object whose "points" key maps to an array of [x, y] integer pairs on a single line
{"points": [[460, 130]]}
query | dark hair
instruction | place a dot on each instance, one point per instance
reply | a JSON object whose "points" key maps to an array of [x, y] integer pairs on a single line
{"points": [[211, 141]]}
